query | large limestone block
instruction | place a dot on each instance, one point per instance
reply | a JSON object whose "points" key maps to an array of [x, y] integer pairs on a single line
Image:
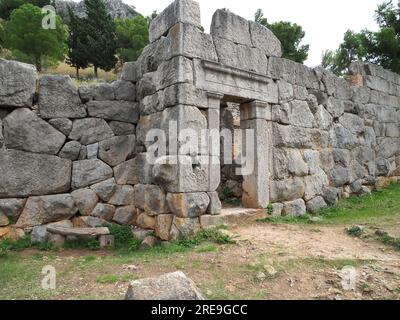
{"points": [[286, 190], [352, 122], [123, 196], [189, 41], [189, 123], [103, 92], [230, 26], [71, 150], [163, 226], [46, 209], [63, 125], [177, 174], [88, 172], [124, 111], [241, 56], [24, 130], [103, 211], [26, 174], [122, 128], [105, 189], [294, 208], [177, 70], [124, 90], [185, 11], [59, 98], [314, 184], [12, 208], [171, 286], [134, 171], [151, 199], [188, 205], [316, 204], [116, 150], [264, 39], [90, 130], [125, 215], [301, 115], [282, 69], [184, 227], [129, 72], [297, 137], [17, 83], [85, 200]]}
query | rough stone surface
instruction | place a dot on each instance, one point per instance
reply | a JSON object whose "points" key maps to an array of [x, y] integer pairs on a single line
{"points": [[88, 172], [23, 130], [316, 204], [294, 208], [125, 111], [264, 39], [105, 189], [116, 150], [12, 208], [145, 221], [25, 174], [188, 205], [227, 25], [71, 150], [90, 130], [46, 209], [124, 90], [123, 196], [122, 128], [289, 189], [163, 226], [103, 92], [58, 98], [215, 205], [172, 286], [18, 83], [184, 227], [185, 11], [63, 125], [125, 215], [151, 199], [85, 200], [103, 211], [4, 220], [39, 234]]}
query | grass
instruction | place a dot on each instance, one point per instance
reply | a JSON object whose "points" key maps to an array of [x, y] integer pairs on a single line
{"points": [[86, 75], [381, 207]]}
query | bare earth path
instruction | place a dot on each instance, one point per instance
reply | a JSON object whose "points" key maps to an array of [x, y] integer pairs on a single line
{"points": [[267, 262]]}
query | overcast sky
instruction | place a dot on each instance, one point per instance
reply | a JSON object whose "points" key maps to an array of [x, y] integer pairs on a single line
{"points": [[324, 21]]}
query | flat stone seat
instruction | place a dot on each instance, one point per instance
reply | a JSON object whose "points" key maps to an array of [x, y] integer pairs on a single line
{"points": [[79, 232], [232, 217]]}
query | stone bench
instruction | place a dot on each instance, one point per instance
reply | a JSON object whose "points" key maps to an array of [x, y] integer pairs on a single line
{"points": [[102, 233]]}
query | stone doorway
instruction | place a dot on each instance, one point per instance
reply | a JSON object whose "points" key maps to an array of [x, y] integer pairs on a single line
{"points": [[244, 152]]}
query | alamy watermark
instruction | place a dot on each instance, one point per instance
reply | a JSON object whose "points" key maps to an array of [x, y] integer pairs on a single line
{"points": [[50, 278], [49, 20]]}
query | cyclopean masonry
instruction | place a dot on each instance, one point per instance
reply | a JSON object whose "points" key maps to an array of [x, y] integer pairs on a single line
{"points": [[87, 156]]}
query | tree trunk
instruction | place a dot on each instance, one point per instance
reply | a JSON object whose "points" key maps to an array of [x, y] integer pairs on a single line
{"points": [[77, 72], [95, 72], [38, 64]]}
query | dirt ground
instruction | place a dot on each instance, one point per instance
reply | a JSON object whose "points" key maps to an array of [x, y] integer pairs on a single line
{"points": [[267, 262]]}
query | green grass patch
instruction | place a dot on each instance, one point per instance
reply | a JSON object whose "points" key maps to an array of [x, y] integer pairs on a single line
{"points": [[381, 207], [108, 279]]}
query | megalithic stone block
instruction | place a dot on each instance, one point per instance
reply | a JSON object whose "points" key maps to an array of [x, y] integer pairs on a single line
{"points": [[185, 11]]}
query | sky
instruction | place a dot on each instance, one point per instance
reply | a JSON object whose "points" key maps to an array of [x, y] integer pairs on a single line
{"points": [[324, 22]]}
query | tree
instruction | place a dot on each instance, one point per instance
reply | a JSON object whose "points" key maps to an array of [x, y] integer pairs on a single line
{"points": [[77, 57], [8, 6], [132, 37], [352, 49], [381, 47], [151, 17], [26, 38], [290, 36], [101, 44]]}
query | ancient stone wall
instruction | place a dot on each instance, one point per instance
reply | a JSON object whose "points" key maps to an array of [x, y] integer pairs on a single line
{"points": [[84, 154]]}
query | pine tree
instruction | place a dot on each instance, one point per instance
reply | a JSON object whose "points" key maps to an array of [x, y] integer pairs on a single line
{"points": [[77, 57], [101, 44]]}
